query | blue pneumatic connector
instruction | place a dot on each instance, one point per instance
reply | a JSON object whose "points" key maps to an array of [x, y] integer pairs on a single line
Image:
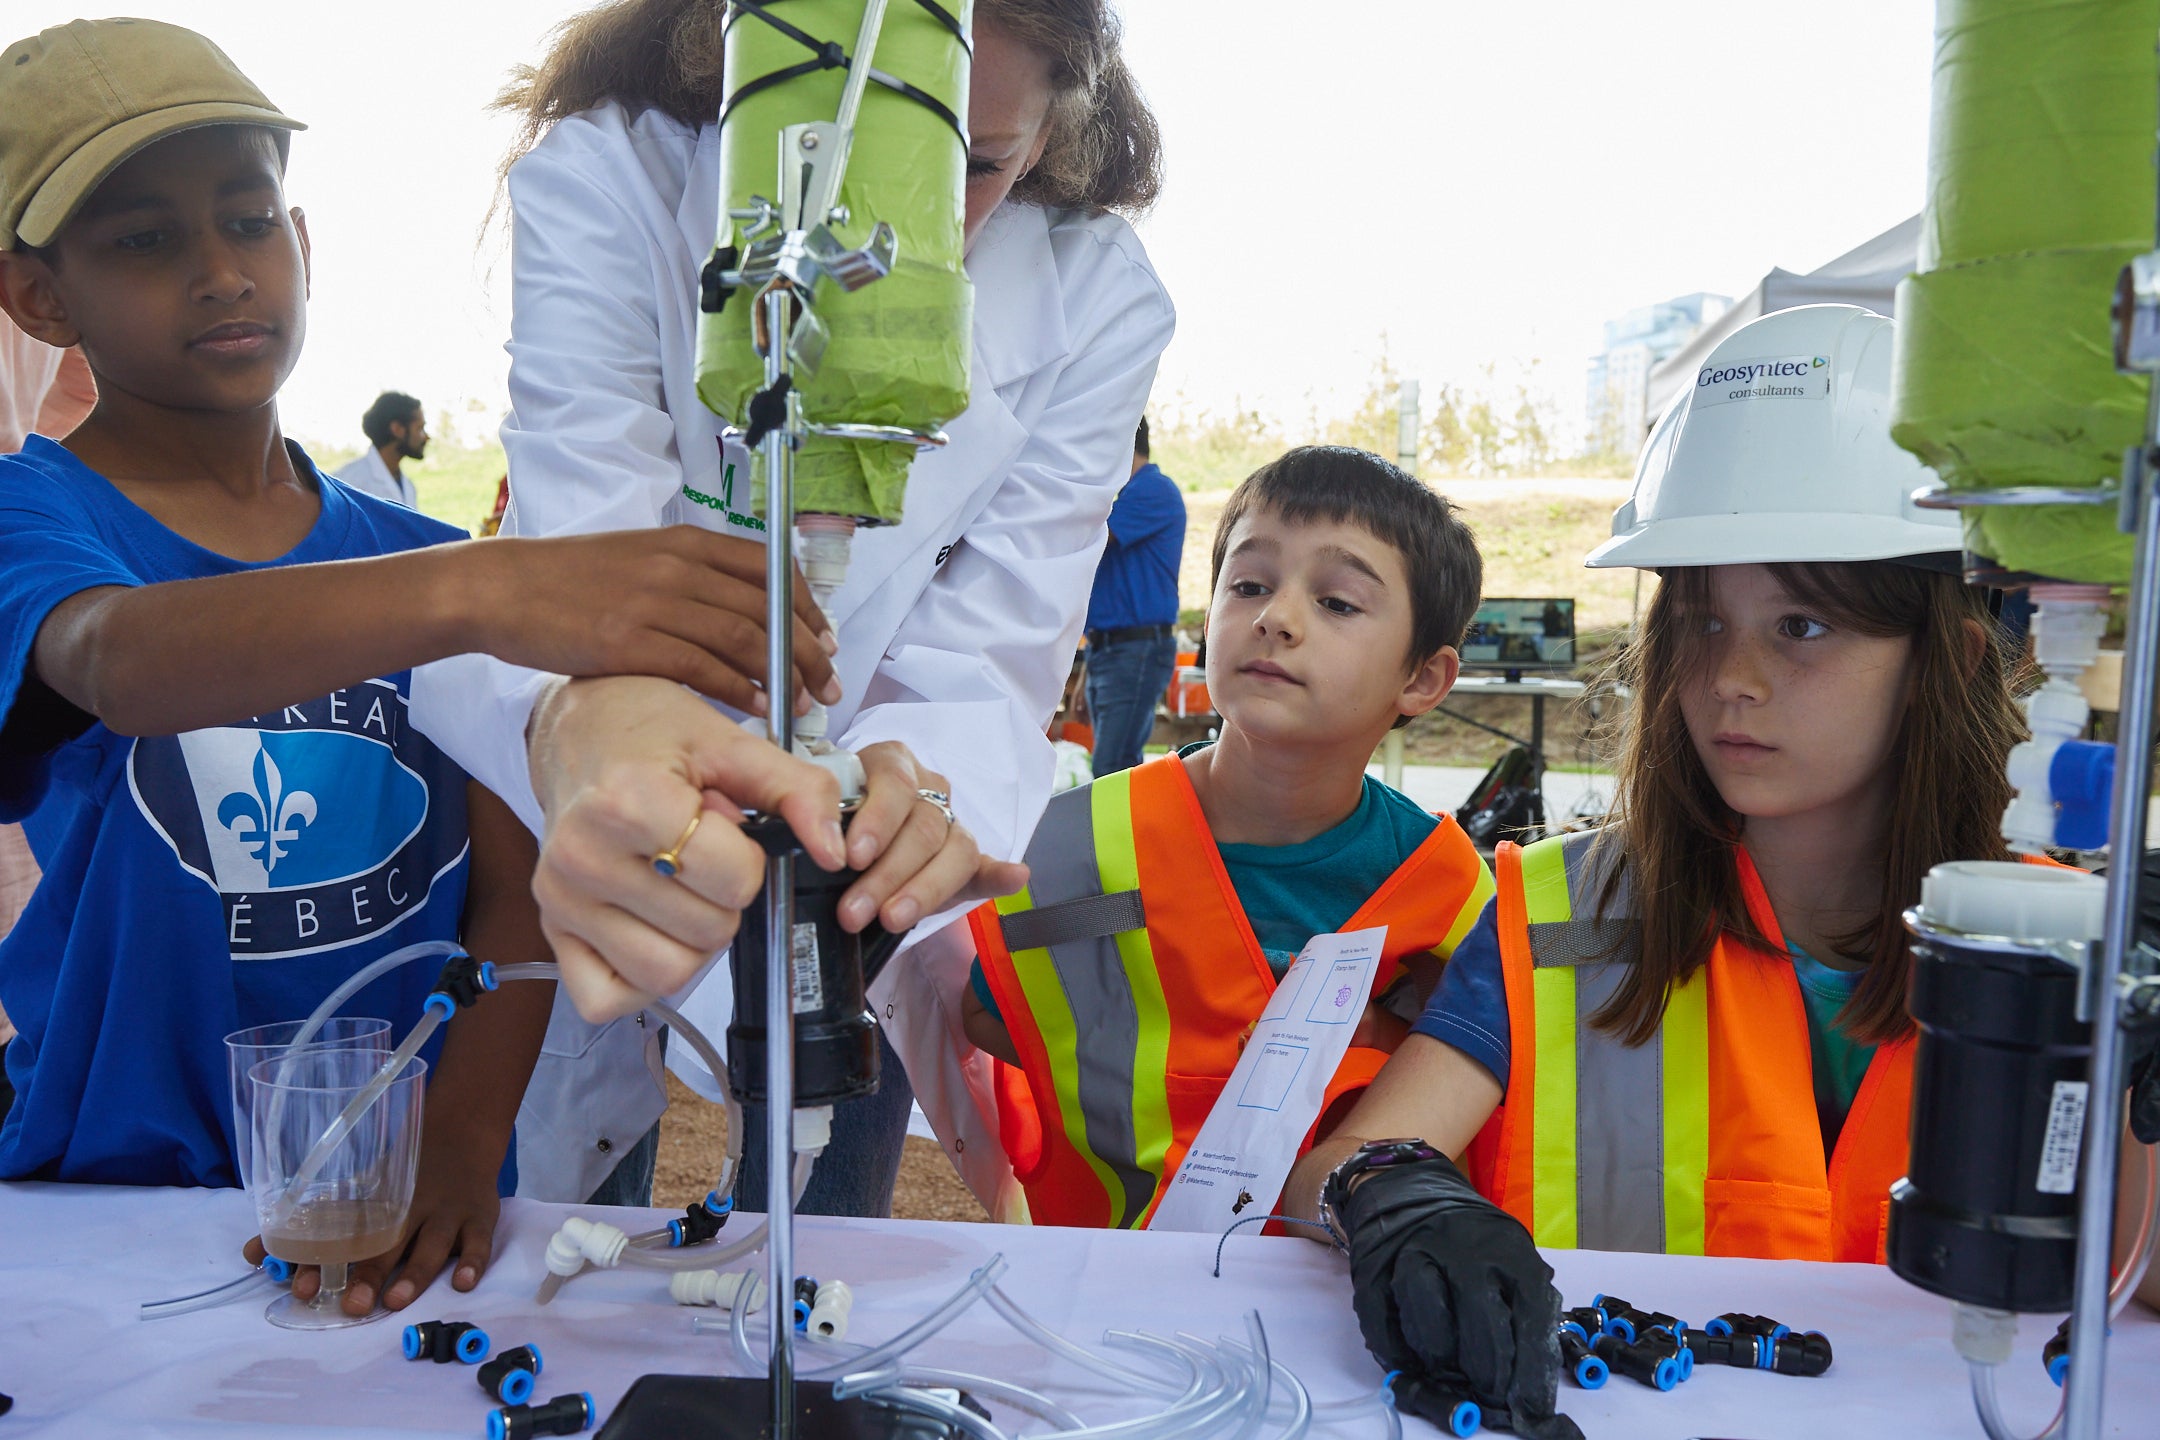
{"points": [[278, 1270], [2081, 780]]}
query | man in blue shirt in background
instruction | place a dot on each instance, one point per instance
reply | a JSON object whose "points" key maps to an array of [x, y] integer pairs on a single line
{"points": [[1132, 647]]}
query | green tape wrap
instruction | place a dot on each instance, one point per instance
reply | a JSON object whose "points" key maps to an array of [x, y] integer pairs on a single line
{"points": [[2040, 188], [900, 347]]}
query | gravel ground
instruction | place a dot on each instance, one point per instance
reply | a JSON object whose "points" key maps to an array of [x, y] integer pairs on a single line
{"points": [[694, 1133]]}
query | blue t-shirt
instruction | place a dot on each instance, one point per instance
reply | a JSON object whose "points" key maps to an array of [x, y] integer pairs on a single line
{"points": [[1469, 1010], [1136, 582], [1291, 893], [201, 883]]}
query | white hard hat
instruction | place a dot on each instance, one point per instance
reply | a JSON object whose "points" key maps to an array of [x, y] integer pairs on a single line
{"points": [[1780, 450]]}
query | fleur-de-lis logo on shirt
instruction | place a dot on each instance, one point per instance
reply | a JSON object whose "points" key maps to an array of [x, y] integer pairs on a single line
{"points": [[268, 821]]}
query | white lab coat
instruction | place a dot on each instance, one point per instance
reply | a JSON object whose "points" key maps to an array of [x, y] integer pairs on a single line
{"points": [[956, 626], [367, 472]]}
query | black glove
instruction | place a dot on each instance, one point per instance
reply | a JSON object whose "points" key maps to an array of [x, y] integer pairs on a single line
{"points": [[1450, 1290]]}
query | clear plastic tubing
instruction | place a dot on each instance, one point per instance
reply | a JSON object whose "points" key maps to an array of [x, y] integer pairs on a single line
{"points": [[367, 975], [921, 1401], [1989, 1408], [697, 1257], [696, 1040], [255, 1280], [1988, 1404], [1216, 1395], [1079, 1355], [985, 1387], [947, 1312], [339, 1128]]}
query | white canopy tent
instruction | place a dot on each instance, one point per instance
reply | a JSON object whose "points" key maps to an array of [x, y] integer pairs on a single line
{"points": [[1865, 275]]}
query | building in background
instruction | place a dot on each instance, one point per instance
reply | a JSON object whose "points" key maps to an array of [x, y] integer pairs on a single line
{"points": [[1617, 395]]}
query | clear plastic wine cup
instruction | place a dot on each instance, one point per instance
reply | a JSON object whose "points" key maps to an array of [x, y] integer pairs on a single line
{"points": [[354, 1207], [244, 1049]]}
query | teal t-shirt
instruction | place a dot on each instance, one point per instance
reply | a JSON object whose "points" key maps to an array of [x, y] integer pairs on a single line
{"points": [[1291, 893], [1841, 1062]]}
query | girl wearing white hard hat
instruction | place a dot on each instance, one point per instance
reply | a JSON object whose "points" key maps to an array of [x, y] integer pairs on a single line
{"points": [[1821, 712]]}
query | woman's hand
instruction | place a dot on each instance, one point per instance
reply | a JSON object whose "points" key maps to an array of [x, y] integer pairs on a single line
{"points": [[454, 1210], [621, 767], [915, 860], [680, 603]]}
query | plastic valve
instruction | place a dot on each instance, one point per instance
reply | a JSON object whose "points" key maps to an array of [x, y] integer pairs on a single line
{"points": [[2081, 778]]}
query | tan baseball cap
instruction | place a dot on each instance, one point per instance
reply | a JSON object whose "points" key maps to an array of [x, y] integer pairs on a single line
{"points": [[78, 99]]}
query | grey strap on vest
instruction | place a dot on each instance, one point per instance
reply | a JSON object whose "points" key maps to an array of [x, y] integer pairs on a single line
{"points": [[1619, 1104], [1090, 917], [1586, 937]]}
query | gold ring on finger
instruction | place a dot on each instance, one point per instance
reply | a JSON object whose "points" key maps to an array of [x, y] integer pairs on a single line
{"points": [[668, 862]]}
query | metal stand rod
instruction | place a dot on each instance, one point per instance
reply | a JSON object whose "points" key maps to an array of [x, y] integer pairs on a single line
{"points": [[780, 886], [2083, 1390]]}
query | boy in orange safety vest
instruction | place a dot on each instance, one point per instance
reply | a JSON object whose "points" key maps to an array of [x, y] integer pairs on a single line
{"points": [[1167, 901]]}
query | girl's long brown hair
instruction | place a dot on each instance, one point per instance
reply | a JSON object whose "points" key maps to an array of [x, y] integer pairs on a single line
{"points": [[1674, 834], [1104, 151]]}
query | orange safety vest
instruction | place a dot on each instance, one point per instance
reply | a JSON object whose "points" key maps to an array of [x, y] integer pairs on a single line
{"points": [[1703, 1141], [1129, 979]]}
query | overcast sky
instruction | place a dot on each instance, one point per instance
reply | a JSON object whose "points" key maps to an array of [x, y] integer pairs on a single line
{"points": [[1476, 182]]}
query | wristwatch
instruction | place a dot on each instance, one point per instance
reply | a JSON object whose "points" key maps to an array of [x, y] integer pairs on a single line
{"points": [[1372, 1155]]}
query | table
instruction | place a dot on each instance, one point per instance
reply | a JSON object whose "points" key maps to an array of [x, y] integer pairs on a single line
{"points": [[1539, 688], [75, 1260]]}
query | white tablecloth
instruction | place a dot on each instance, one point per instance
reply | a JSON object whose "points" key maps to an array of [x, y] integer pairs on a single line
{"points": [[75, 1261]]}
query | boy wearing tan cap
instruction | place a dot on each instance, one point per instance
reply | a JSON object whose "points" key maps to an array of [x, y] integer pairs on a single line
{"points": [[202, 728]]}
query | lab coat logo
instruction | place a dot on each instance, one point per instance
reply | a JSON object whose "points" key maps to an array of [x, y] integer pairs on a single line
{"points": [[312, 824]]}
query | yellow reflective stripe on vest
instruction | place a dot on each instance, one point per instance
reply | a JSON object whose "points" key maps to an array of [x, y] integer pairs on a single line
{"points": [[1051, 1013], [1117, 860], [1553, 1170], [1685, 1033], [1607, 1171], [1481, 894]]}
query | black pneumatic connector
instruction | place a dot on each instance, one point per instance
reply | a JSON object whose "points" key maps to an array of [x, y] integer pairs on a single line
{"points": [[1641, 1363], [509, 1376], [563, 1415], [465, 979], [701, 1221], [1807, 1354], [1577, 1361], [443, 1341], [2056, 1353]]}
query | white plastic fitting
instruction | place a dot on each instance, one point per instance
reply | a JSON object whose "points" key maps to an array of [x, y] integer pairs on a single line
{"points": [[823, 546], [813, 1130], [1982, 1337], [718, 1288], [829, 1312], [581, 1242], [2066, 631]]}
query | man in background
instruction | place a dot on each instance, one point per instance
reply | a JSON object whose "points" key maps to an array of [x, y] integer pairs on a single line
{"points": [[1132, 614], [396, 431]]}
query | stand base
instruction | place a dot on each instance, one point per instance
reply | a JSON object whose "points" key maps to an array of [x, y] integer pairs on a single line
{"points": [[727, 1407]]}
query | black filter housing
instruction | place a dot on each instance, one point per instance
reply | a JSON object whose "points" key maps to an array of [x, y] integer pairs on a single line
{"points": [[836, 1046], [1999, 1034]]}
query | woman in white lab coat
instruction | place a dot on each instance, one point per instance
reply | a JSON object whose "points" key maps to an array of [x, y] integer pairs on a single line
{"points": [[955, 628]]}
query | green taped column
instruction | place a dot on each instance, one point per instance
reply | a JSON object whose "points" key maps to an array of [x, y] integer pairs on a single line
{"points": [[2040, 189], [900, 347]]}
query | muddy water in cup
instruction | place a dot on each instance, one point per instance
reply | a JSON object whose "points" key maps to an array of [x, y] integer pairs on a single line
{"points": [[324, 1232]]}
